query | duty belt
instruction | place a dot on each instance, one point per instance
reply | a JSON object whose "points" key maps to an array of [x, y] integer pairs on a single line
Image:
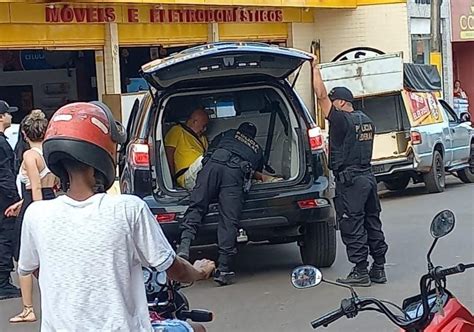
{"points": [[348, 174]]}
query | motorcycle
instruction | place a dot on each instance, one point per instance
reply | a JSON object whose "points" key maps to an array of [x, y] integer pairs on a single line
{"points": [[166, 301], [435, 309]]}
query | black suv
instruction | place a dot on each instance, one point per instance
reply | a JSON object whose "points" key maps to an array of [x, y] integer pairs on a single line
{"points": [[235, 83]]}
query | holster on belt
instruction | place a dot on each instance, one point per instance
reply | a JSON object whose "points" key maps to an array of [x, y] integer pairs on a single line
{"points": [[248, 171], [346, 177]]}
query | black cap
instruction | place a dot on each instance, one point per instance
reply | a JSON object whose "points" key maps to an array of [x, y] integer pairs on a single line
{"points": [[341, 93], [5, 108], [248, 129]]}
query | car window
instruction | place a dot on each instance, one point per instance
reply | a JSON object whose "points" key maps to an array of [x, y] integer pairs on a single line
{"points": [[451, 115], [387, 112], [219, 108]]}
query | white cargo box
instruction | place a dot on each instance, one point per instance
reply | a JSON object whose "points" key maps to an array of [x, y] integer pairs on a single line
{"points": [[365, 77]]}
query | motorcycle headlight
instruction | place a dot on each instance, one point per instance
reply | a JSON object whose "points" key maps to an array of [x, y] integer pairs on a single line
{"points": [[147, 274], [161, 278]]}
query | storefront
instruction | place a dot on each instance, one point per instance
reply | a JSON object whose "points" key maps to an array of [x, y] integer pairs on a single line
{"points": [[419, 12], [463, 48], [94, 49]]}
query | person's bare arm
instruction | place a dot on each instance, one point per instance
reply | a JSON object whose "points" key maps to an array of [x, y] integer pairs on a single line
{"points": [[32, 172], [181, 270], [170, 156], [320, 89]]}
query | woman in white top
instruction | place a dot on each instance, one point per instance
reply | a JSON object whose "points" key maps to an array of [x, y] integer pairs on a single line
{"points": [[37, 184]]}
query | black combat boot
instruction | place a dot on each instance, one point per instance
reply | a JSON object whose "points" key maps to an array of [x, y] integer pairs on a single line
{"points": [[7, 290], [359, 277], [184, 248], [225, 274], [224, 278], [377, 274]]}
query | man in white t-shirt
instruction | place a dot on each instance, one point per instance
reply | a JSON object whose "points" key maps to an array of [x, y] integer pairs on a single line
{"points": [[89, 247]]}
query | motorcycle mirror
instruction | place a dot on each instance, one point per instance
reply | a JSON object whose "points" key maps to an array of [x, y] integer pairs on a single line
{"points": [[442, 224], [306, 276]]}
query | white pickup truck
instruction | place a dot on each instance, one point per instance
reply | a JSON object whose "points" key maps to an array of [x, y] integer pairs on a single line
{"points": [[418, 136]]}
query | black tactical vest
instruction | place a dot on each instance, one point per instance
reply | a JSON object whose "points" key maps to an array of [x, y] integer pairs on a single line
{"points": [[243, 146], [357, 147]]}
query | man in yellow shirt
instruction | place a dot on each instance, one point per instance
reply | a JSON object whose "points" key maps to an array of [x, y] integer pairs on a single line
{"points": [[185, 146]]}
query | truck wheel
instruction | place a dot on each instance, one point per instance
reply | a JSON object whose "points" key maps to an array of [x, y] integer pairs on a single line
{"points": [[397, 183], [319, 245], [435, 179], [467, 175]]}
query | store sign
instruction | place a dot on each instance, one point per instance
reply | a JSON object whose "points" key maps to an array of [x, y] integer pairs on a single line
{"points": [[34, 60], [462, 20], [72, 14]]}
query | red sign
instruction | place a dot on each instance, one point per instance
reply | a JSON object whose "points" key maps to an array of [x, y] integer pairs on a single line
{"points": [[462, 18], [71, 14], [68, 14]]}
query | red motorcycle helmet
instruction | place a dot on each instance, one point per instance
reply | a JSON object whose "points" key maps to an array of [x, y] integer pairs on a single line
{"points": [[87, 133]]}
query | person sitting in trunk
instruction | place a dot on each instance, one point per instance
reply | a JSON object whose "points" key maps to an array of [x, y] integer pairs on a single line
{"points": [[185, 146]]}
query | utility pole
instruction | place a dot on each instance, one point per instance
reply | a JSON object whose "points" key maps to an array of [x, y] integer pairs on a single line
{"points": [[435, 54]]}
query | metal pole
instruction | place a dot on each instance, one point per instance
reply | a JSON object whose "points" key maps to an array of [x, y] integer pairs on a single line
{"points": [[436, 25], [435, 54]]}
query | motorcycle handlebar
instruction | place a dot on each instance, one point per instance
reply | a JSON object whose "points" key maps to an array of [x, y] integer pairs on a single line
{"points": [[327, 319], [440, 273]]}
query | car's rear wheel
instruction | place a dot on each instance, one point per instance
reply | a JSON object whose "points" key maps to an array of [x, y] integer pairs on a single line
{"points": [[399, 183], [319, 245], [435, 179], [467, 175]]}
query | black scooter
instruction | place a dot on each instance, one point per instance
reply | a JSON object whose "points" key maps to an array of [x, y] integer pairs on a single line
{"points": [[166, 301]]}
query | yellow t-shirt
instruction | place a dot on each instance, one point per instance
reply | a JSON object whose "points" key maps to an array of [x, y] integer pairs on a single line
{"points": [[187, 148]]}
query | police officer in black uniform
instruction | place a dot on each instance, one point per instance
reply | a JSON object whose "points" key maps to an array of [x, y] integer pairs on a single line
{"points": [[8, 196], [232, 159], [351, 138]]}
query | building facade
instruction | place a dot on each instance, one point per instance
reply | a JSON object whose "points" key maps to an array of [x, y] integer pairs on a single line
{"points": [[419, 12], [52, 53], [462, 18]]}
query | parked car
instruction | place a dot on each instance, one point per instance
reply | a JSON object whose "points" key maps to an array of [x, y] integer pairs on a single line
{"points": [[236, 82], [418, 136]]}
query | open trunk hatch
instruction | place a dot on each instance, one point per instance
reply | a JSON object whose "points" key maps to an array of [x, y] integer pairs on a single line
{"points": [[213, 61]]}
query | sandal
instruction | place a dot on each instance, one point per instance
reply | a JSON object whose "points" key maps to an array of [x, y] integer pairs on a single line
{"points": [[26, 316]]}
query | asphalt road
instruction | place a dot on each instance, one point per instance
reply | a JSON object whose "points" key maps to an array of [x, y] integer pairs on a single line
{"points": [[263, 299]]}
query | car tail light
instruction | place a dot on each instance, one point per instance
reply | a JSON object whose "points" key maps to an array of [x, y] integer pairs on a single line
{"points": [[316, 139], [312, 203], [415, 138], [166, 217], [140, 154]]}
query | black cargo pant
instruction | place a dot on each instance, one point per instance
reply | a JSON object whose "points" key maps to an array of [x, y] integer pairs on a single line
{"points": [[221, 181], [7, 235], [358, 213]]}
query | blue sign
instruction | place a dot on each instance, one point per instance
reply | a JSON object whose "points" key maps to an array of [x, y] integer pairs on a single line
{"points": [[136, 85], [34, 60]]}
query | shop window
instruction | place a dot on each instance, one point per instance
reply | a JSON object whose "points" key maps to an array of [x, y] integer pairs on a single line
{"points": [[420, 45]]}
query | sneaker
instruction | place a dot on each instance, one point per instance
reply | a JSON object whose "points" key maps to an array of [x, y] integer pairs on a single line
{"points": [[377, 274], [224, 278], [9, 291], [357, 278]]}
